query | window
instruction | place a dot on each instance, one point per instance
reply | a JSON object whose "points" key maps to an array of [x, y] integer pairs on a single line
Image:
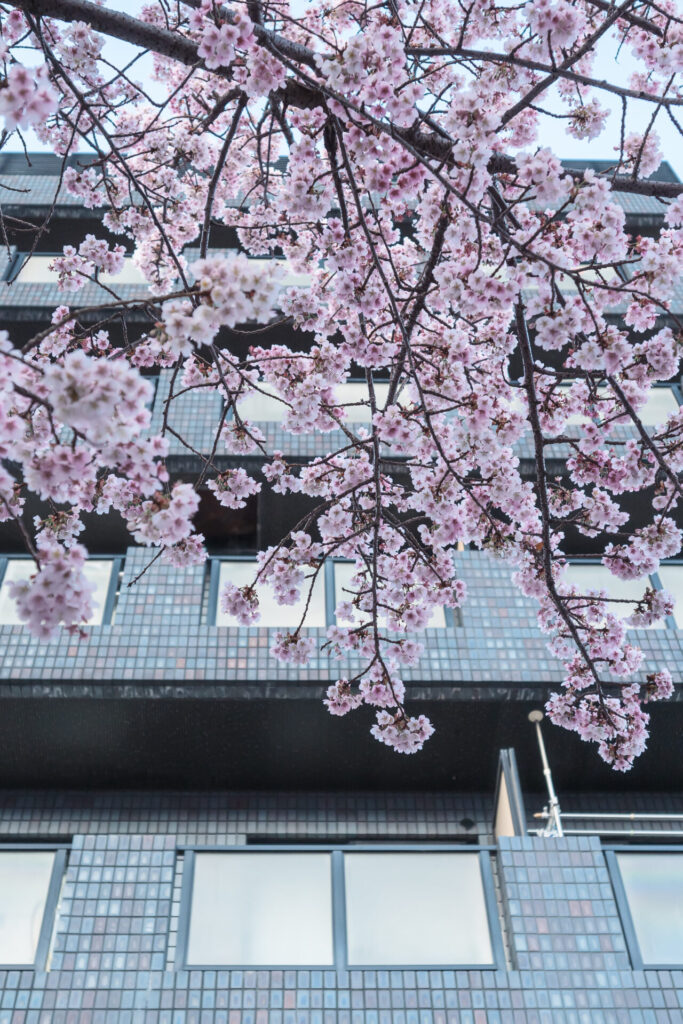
{"points": [[30, 881], [661, 402], [671, 578], [330, 906], [406, 909], [343, 574], [36, 270], [649, 889], [251, 909], [103, 572], [594, 576], [262, 406], [241, 572], [328, 591]]}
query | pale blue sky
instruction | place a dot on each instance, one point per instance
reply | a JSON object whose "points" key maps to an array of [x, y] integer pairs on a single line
{"points": [[552, 135]]}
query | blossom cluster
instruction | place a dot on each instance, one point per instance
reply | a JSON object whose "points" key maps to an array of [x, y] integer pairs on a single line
{"points": [[454, 296]]}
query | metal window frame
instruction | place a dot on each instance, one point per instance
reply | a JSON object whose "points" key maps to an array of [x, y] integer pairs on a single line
{"points": [[338, 894], [117, 563], [621, 899], [51, 902], [12, 261]]}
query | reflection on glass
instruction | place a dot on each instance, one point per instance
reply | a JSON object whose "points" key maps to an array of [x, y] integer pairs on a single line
{"points": [[598, 577], [285, 616], [344, 572], [96, 570], [671, 578], [251, 909], [24, 882], [357, 391], [407, 909], [654, 890]]}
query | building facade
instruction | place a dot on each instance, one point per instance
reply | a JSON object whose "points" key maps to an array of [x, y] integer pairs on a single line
{"points": [[186, 836]]}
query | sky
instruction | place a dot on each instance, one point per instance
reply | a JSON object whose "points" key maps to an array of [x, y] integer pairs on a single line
{"points": [[552, 134]]}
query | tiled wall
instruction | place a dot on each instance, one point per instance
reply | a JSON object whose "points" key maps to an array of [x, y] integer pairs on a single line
{"points": [[157, 645], [113, 956]]}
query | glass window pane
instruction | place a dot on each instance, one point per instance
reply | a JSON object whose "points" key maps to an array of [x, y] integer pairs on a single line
{"points": [[36, 271], [357, 391], [343, 573], [251, 909], [576, 419], [654, 889], [261, 406], [416, 909], [660, 404], [242, 573], [598, 577], [671, 577], [290, 278], [24, 883], [97, 571]]}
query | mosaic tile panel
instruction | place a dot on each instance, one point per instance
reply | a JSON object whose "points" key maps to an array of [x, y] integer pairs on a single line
{"points": [[498, 650], [113, 959]]}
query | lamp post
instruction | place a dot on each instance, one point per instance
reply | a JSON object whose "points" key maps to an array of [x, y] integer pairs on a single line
{"points": [[553, 827]]}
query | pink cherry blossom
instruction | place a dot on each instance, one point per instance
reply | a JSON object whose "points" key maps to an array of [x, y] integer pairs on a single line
{"points": [[420, 295]]}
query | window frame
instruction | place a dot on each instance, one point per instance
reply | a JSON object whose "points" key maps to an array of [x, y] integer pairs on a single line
{"points": [[338, 890], [329, 590], [117, 562], [54, 889], [621, 899]]}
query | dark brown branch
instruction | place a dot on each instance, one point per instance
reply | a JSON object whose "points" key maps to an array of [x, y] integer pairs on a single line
{"points": [[294, 93]]}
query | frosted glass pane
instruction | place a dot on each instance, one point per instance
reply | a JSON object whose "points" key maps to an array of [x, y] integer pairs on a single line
{"points": [[241, 574], [357, 391], [97, 571], [24, 882], [289, 278], [343, 573], [654, 889], [36, 270], [576, 419], [407, 909], [659, 406], [263, 407], [598, 577], [671, 578], [251, 909]]}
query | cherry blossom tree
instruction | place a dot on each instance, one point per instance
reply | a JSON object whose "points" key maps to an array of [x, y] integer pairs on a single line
{"points": [[393, 152]]}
